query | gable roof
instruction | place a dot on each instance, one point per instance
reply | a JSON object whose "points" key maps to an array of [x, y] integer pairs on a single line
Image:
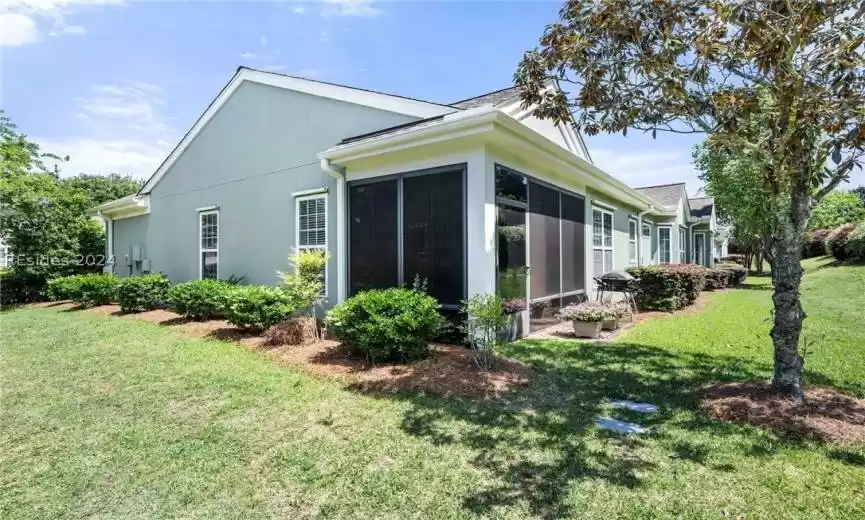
{"points": [[702, 207], [497, 97], [666, 194], [388, 102]]}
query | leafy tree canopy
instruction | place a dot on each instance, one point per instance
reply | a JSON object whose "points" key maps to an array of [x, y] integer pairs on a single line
{"points": [[836, 209]]}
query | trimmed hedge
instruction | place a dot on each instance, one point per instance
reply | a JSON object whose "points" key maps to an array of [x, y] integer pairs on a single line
{"points": [[200, 299], [738, 274], [836, 241], [386, 324], [63, 288], [94, 289], [854, 249], [717, 278], [18, 287], [815, 244], [142, 293], [257, 308], [668, 287]]}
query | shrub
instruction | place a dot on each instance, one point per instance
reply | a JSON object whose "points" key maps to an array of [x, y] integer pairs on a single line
{"points": [[588, 311], [737, 273], [142, 293], [257, 307], [691, 281], [63, 288], [200, 299], [735, 259], [386, 324], [486, 320], [17, 287], [854, 249], [305, 283], [836, 241], [815, 244], [717, 278], [95, 289], [668, 287]]}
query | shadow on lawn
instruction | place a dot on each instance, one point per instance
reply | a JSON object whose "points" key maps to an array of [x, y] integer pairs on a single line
{"points": [[538, 440]]}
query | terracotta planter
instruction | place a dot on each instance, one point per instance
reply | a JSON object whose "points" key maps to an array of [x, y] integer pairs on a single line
{"points": [[610, 324], [587, 329]]}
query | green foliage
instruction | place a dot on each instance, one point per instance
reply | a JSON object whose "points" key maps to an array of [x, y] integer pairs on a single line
{"points": [[717, 279], [854, 249], [143, 293], [736, 273], [486, 319], [815, 243], [668, 287], [257, 308], [103, 188], [860, 192], [386, 324], [17, 287], [95, 289], [305, 283], [836, 209], [63, 288], [200, 299]]}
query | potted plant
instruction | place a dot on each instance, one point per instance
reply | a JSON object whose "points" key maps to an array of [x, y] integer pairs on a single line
{"points": [[513, 309], [617, 311], [586, 317]]}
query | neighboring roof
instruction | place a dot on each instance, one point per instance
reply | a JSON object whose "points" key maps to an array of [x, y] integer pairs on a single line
{"points": [[491, 98], [391, 130], [666, 194], [701, 207]]}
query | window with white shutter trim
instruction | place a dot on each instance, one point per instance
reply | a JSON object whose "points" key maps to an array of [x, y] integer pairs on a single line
{"points": [[311, 215], [208, 234]]}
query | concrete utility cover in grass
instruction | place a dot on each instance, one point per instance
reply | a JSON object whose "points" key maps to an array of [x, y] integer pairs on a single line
{"points": [[635, 406], [617, 426]]}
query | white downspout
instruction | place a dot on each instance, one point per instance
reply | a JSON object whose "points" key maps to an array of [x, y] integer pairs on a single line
{"points": [[691, 234], [338, 173], [640, 235], [108, 267]]}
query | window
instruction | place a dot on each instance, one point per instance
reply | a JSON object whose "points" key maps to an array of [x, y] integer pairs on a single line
{"points": [[647, 231], [683, 254], [664, 244], [209, 244], [700, 248], [312, 225], [632, 241], [602, 241]]}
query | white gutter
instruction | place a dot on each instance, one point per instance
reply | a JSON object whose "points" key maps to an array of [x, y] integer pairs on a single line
{"points": [[338, 173], [640, 235]]}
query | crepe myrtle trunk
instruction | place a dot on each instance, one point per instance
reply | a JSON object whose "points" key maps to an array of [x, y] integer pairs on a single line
{"points": [[787, 277]]}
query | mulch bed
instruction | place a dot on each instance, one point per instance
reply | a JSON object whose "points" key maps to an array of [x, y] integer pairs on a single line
{"points": [[449, 371], [827, 415]]}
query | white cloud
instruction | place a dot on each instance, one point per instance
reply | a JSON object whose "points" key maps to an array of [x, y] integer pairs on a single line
{"points": [[17, 29], [263, 40], [103, 156], [298, 10], [20, 20], [135, 105], [248, 55], [649, 167], [351, 8]]}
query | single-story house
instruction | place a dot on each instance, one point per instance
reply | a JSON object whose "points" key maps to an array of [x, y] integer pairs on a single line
{"points": [[474, 196]]}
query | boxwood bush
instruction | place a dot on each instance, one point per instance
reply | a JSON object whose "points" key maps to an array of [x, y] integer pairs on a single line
{"points": [[63, 288], [717, 278], [668, 287], [854, 248], [386, 324], [94, 289], [143, 293], [257, 308], [200, 299], [737, 273]]}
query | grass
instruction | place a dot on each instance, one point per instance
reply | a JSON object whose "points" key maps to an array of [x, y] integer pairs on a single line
{"points": [[115, 418]]}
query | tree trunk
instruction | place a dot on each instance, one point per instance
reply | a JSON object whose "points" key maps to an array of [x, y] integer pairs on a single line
{"points": [[787, 275]]}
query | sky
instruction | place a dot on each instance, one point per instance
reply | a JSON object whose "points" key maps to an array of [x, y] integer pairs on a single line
{"points": [[115, 84]]}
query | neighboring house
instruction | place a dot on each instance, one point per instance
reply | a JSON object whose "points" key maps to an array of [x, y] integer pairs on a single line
{"points": [[4, 255], [474, 196]]}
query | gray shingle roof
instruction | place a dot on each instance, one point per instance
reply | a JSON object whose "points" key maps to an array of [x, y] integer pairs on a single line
{"points": [[701, 207], [492, 98], [666, 194]]}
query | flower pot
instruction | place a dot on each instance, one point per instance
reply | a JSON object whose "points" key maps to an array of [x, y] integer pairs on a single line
{"points": [[514, 328], [587, 329], [610, 324]]}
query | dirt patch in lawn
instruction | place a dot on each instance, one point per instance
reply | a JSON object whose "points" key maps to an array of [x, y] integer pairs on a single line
{"points": [[827, 414], [448, 371]]}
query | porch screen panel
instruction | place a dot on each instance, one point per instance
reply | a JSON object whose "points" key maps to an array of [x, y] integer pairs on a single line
{"points": [[373, 257], [434, 240], [573, 243], [544, 241]]}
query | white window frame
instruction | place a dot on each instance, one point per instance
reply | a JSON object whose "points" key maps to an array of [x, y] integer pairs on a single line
{"points": [[201, 249], [669, 250], [602, 248], [694, 247], [683, 247], [325, 247], [635, 240]]}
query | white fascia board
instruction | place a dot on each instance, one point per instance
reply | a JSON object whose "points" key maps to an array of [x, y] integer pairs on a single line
{"points": [[399, 105], [122, 208]]}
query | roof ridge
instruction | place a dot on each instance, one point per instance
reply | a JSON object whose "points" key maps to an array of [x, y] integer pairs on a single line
{"points": [[343, 86], [482, 95], [661, 185]]}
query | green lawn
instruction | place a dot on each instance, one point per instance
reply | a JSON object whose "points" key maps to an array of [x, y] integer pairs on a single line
{"points": [[115, 418]]}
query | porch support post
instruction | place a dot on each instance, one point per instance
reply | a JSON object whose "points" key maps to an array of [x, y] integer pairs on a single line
{"points": [[341, 242], [480, 224]]}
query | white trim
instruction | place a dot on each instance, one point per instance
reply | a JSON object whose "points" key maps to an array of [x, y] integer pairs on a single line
{"points": [[683, 246], [201, 250], [668, 227], [304, 193], [637, 237], [694, 247], [207, 208], [603, 248], [387, 102], [131, 206], [604, 206], [326, 246], [109, 241]]}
